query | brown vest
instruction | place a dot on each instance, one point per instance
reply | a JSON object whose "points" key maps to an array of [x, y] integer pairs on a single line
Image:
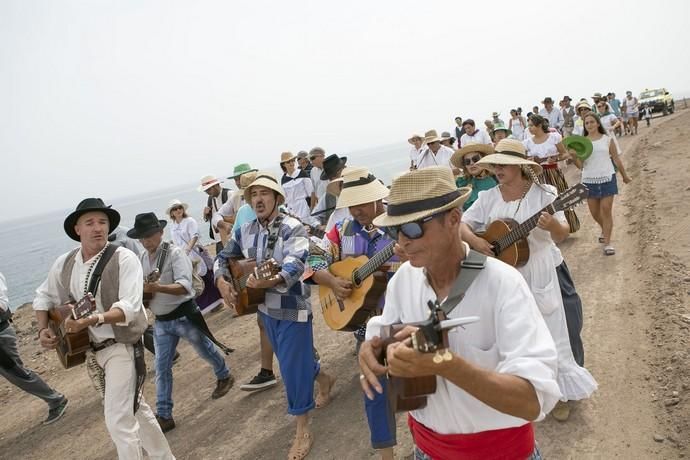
{"points": [[109, 289]]}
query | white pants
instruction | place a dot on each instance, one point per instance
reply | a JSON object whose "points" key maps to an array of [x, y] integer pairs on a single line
{"points": [[130, 433]]}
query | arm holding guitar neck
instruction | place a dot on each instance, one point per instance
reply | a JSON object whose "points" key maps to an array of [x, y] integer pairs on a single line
{"points": [[559, 230]]}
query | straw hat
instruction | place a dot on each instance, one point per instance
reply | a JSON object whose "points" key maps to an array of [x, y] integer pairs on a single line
{"points": [[582, 105], [268, 180], [431, 136], [246, 179], [286, 156], [510, 152], [482, 149], [495, 114], [207, 182], [360, 187], [415, 136], [421, 193], [445, 136], [173, 204]]}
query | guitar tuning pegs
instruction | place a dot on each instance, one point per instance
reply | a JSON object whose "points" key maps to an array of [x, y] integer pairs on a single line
{"points": [[438, 359], [447, 355]]}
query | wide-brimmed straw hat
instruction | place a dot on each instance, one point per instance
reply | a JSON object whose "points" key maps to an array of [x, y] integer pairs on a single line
{"points": [[510, 152], [421, 193], [207, 182], [431, 136], [286, 156], [360, 187], [445, 136], [173, 204], [246, 179], [89, 205], [482, 149], [268, 180], [242, 168], [415, 136], [582, 105]]}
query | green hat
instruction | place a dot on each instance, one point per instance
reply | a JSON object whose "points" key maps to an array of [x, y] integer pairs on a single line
{"points": [[500, 127], [581, 144], [240, 169]]}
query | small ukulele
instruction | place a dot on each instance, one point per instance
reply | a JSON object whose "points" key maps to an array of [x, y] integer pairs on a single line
{"points": [[248, 299], [405, 394], [71, 347]]}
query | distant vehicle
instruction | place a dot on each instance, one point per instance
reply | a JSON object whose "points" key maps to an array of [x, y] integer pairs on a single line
{"points": [[659, 99]]}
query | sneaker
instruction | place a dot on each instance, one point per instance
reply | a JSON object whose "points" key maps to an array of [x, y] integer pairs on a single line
{"points": [[166, 424], [56, 413], [222, 387], [261, 381]]}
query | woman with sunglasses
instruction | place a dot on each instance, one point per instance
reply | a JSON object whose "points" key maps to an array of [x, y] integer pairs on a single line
{"points": [[599, 175], [184, 231], [518, 197], [474, 176], [545, 148], [582, 109]]}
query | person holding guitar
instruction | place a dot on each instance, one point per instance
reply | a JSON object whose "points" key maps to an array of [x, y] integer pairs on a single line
{"points": [[518, 197], [497, 374], [115, 327], [176, 313], [362, 193], [286, 312]]}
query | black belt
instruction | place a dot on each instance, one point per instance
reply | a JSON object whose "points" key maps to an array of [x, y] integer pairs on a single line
{"points": [[102, 345], [4, 325]]}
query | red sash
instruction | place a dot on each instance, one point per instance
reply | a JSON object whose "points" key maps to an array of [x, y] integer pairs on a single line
{"points": [[507, 444]]}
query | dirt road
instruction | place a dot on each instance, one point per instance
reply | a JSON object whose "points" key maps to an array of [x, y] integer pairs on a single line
{"points": [[637, 318]]}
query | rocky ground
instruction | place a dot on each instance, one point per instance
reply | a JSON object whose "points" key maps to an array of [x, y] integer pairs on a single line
{"points": [[637, 322]]}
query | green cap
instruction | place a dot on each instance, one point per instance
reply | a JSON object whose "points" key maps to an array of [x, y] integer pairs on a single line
{"points": [[240, 169], [499, 127]]}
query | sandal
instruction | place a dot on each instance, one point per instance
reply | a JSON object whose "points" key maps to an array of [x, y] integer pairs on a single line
{"points": [[301, 447], [323, 400], [609, 251]]}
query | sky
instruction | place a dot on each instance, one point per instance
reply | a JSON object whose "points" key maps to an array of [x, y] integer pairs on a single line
{"points": [[122, 97]]}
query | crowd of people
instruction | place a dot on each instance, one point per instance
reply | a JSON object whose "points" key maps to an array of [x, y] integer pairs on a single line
{"points": [[519, 360]]}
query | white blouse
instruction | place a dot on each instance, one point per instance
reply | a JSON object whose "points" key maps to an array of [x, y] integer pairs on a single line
{"points": [[182, 234], [545, 149], [598, 168]]}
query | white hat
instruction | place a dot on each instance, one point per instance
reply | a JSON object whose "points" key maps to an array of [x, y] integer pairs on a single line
{"points": [[173, 204], [207, 182], [268, 180]]}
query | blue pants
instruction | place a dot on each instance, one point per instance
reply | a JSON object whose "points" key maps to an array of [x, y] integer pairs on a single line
{"points": [[293, 344], [381, 421], [167, 334]]}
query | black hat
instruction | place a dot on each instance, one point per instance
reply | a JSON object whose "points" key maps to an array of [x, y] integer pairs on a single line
{"points": [[145, 224], [332, 165], [88, 205]]}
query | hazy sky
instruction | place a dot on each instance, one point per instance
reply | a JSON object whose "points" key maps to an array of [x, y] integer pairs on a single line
{"points": [[112, 98]]}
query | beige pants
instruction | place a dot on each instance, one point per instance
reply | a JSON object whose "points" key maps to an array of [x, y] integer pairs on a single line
{"points": [[129, 432]]}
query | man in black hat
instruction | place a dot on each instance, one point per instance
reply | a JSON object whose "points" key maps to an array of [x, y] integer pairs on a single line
{"points": [[176, 312], [115, 328]]}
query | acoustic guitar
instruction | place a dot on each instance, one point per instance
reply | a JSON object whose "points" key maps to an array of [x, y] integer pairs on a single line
{"points": [[351, 313], [155, 275], [509, 239], [71, 348], [248, 299], [410, 393]]}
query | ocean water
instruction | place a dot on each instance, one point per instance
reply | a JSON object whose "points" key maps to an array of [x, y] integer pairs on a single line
{"points": [[29, 247]]}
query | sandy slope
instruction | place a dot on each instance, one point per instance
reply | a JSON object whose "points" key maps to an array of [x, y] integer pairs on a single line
{"points": [[636, 337]]}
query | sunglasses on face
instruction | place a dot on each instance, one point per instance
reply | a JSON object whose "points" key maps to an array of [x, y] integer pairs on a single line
{"points": [[411, 230], [471, 160], [176, 208]]}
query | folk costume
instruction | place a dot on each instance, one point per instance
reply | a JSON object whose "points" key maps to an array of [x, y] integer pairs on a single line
{"points": [[483, 181]]}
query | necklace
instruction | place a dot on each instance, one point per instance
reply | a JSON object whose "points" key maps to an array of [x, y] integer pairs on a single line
{"points": [[526, 188], [91, 267]]}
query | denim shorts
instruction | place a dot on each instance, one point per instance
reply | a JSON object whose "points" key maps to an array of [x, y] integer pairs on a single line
{"points": [[601, 190]]}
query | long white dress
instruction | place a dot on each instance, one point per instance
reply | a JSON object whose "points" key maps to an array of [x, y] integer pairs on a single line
{"points": [[297, 190], [182, 233], [575, 382]]}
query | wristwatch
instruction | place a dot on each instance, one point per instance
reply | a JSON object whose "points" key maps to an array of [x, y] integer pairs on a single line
{"points": [[101, 319]]}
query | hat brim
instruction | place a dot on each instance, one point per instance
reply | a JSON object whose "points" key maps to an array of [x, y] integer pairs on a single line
{"points": [[363, 194], [508, 160], [385, 220], [288, 159], [483, 149], [263, 182], [582, 145], [341, 165], [203, 188], [71, 220], [184, 205], [136, 235], [235, 176], [510, 132], [411, 140]]}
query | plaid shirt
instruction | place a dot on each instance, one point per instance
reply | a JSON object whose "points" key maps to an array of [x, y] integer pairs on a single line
{"points": [[289, 300]]}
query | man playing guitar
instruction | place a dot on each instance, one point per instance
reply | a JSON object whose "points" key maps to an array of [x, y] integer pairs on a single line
{"points": [[499, 373], [286, 311]]}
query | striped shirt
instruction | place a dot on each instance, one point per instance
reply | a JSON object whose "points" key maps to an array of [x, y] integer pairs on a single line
{"points": [[289, 300]]}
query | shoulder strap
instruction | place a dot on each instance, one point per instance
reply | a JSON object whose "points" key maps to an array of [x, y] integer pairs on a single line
{"points": [[100, 266], [469, 269], [273, 236], [164, 254], [224, 195]]}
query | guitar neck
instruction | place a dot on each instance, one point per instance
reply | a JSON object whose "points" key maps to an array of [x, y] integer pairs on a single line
{"points": [[375, 262], [522, 230]]}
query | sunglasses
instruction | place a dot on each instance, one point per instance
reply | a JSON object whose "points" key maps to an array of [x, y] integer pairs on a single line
{"points": [[412, 230], [469, 161], [176, 208]]}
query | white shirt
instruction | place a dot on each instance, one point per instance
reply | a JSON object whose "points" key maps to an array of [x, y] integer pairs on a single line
{"points": [[427, 158], [510, 338], [4, 299], [555, 117], [131, 289], [319, 185], [297, 191], [216, 204], [414, 153], [229, 208], [182, 234], [479, 137], [598, 168]]}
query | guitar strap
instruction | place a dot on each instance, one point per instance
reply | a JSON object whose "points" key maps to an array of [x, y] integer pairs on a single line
{"points": [[470, 267], [273, 237], [162, 256], [100, 266]]}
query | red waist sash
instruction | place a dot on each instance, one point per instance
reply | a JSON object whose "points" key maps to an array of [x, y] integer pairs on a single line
{"points": [[549, 165], [506, 444]]}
